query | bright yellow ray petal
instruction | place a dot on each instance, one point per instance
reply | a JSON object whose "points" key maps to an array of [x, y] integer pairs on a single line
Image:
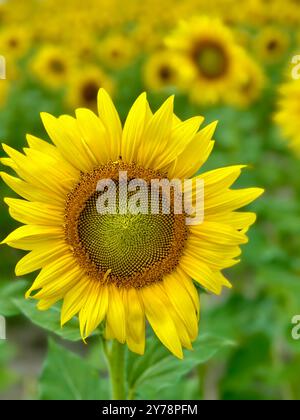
{"points": [[181, 329], [94, 309], [74, 299], [31, 192], [190, 160], [135, 321], [156, 135], [39, 169], [218, 233], [40, 257], [187, 282], [238, 220], [111, 120], [95, 135], [157, 312], [98, 311], [57, 274], [67, 139], [221, 178], [214, 260], [72, 132], [116, 314], [201, 273], [182, 302], [231, 200], [34, 213], [51, 150], [28, 231], [182, 134], [45, 304], [134, 129]]}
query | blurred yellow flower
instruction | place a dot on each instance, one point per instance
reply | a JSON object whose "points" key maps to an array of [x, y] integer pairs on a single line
{"points": [[248, 86], [14, 41], [288, 113], [116, 51], [84, 84], [211, 49], [168, 69], [271, 44], [51, 65]]}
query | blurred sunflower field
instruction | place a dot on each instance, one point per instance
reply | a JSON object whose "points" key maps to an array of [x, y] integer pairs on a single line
{"points": [[239, 65]]}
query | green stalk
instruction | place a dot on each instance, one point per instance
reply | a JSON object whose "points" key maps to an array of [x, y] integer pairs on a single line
{"points": [[116, 366]]}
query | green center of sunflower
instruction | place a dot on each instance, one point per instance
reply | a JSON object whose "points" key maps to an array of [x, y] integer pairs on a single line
{"points": [[136, 249], [210, 59]]}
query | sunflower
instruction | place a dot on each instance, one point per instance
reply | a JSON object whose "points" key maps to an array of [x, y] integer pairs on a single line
{"points": [[248, 88], [123, 268], [51, 66], [84, 84], [211, 49], [165, 69], [116, 51], [271, 44], [14, 42], [288, 112]]}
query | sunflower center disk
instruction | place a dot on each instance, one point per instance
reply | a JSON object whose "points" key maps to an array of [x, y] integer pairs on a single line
{"points": [[211, 60], [137, 249], [126, 244]]}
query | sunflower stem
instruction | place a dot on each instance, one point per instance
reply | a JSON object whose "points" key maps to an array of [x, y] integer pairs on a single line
{"points": [[116, 365]]}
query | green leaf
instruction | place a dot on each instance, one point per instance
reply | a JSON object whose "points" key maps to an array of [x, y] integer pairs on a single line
{"points": [[160, 369], [49, 320], [66, 376], [9, 291]]}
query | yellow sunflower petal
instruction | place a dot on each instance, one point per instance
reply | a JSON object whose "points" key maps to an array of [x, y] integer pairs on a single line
{"points": [[135, 321], [182, 302], [231, 200], [201, 273], [134, 128], [40, 257], [187, 282], [215, 260], [34, 213], [57, 274], [116, 314], [28, 231], [68, 141], [74, 299], [181, 135], [40, 170], [238, 220], [30, 192], [195, 154], [94, 309], [95, 135], [157, 134], [157, 313], [111, 120], [218, 233]]}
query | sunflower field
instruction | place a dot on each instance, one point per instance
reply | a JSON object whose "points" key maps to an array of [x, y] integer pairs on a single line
{"points": [[139, 306]]}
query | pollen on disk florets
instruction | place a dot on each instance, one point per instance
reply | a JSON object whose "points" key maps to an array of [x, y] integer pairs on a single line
{"points": [[135, 249]]}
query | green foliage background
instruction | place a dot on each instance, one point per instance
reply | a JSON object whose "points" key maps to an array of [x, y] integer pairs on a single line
{"points": [[245, 349]]}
